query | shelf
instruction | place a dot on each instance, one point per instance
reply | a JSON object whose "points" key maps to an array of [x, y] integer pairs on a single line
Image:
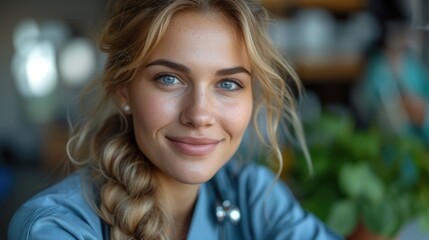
{"points": [[331, 67], [333, 5], [280, 7], [336, 70]]}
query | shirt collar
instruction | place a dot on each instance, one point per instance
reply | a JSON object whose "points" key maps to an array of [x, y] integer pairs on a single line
{"points": [[204, 224]]}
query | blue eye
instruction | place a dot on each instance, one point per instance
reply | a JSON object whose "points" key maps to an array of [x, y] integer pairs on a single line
{"points": [[167, 79], [229, 85]]}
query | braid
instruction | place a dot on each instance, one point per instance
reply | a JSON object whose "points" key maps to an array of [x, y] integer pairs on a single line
{"points": [[128, 201]]}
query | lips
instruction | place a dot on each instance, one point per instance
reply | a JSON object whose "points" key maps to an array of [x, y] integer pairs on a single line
{"points": [[192, 146]]}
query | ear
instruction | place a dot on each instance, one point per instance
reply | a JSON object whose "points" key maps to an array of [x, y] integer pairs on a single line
{"points": [[122, 96]]}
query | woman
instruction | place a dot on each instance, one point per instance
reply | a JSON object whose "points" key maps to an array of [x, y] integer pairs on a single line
{"points": [[396, 86], [182, 82]]}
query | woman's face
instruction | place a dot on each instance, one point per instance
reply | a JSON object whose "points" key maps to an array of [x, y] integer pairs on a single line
{"points": [[192, 101]]}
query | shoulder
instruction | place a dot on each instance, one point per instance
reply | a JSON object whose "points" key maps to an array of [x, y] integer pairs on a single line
{"points": [[248, 171], [269, 209], [250, 179], [257, 185], [59, 212], [257, 192]]}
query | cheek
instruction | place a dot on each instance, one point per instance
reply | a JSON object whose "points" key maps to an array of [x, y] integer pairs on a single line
{"points": [[245, 119], [237, 118], [153, 111]]}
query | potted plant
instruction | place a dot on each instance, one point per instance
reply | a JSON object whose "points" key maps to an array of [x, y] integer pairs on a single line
{"points": [[364, 180]]}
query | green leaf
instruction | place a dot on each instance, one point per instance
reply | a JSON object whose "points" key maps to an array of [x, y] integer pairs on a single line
{"points": [[380, 218], [358, 181], [423, 219], [343, 217]]}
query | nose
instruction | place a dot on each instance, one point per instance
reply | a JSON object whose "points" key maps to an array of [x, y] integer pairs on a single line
{"points": [[198, 109]]}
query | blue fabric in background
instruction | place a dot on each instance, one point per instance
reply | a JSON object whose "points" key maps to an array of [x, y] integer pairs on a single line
{"points": [[6, 181]]}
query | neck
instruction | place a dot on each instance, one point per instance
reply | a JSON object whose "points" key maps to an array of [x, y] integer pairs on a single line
{"points": [[178, 201]]}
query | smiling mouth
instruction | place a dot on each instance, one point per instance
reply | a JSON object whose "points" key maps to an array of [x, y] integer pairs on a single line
{"points": [[191, 146]]}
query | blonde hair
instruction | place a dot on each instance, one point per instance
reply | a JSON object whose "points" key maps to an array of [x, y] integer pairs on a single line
{"points": [[105, 141]]}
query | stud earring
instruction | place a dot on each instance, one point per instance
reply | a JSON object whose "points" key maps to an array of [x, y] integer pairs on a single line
{"points": [[127, 108]]}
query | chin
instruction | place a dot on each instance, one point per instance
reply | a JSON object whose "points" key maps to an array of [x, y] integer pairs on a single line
{"points": [[195, 177]]}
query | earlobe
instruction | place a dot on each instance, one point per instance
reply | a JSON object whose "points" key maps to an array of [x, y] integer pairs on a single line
{"points": [[123, 99], [127, 108]]}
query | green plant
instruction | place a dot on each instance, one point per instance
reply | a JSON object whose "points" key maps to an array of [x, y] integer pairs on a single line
{"points": [[363, 176]]}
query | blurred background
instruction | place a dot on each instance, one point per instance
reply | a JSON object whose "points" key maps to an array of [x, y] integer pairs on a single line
{"points": [[47, 53], [363, 64]]}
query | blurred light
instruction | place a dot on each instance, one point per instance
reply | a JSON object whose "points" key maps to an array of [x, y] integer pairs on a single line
{"points": [[34, 63], [27, 32], [34, 70], [77, 62], [18, 70], [41, 70], [314, 31]]}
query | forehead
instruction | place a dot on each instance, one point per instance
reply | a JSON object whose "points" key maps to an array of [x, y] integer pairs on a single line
{"points": [[197, 36], [189, 19]]}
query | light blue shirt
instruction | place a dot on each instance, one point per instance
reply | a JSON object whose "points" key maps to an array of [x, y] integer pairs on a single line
{"points": [[62, 212]]}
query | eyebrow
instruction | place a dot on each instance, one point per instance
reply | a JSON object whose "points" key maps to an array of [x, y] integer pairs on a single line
{"points": [[170, 64], [182, 68], [231, 71]]}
